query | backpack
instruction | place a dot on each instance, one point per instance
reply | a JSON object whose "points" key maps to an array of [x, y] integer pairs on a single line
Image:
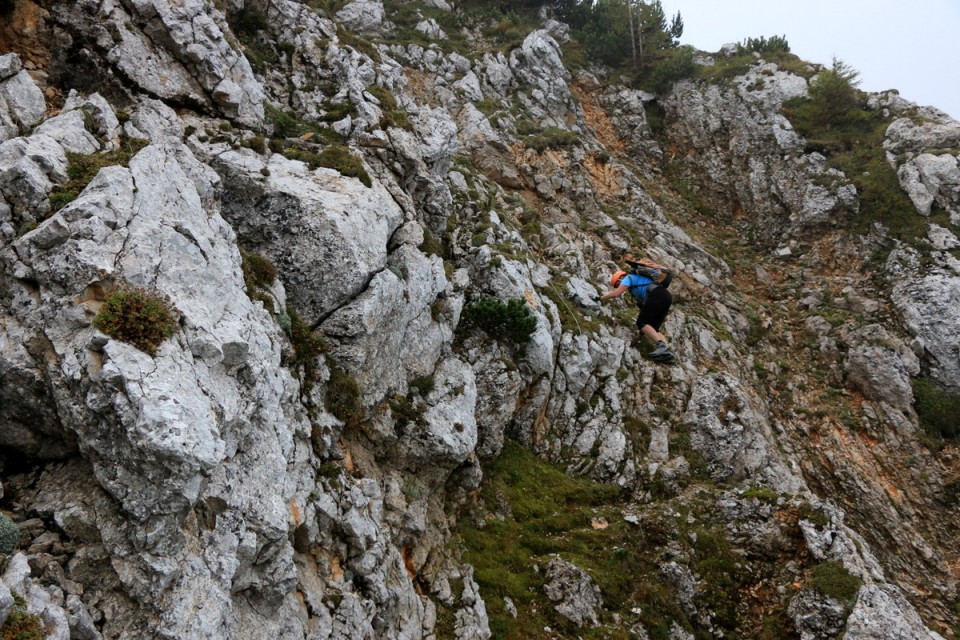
{"points": [[648, 268]]}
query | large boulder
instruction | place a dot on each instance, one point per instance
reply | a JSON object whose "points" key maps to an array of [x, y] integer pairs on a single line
{"points": [[21, 101], [327, 235], [729, 428]]}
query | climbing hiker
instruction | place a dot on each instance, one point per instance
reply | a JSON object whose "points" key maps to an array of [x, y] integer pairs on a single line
{"points": [[648, 286]]}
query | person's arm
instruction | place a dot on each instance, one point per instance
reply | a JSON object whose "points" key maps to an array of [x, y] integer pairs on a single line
{"points": [[619, 291]]}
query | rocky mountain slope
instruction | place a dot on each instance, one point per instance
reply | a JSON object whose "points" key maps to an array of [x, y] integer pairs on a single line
{"points": [[346, 429]]}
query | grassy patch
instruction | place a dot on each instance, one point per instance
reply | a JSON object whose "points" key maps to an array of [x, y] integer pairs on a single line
{"points": [[84, 168], [832, 579], [393, 114], [335, 157], [137, 317], [287, 125], [549, 513], [853, 143]]}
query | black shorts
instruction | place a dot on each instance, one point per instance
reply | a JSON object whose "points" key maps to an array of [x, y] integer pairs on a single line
{"points": [[654, 310]]}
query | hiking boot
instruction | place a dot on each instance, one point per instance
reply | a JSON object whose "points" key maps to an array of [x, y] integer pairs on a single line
{"points": [[663, 354], [668, 358], [660, 350]]}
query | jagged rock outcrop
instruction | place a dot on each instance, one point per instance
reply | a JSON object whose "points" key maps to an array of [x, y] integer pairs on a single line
{"points": [[294, 458]]}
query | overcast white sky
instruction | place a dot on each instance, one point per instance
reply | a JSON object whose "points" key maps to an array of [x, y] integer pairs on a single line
{"points": [[912, 46]]}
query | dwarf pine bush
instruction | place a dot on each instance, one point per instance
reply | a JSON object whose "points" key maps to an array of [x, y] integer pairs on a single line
{"points": [[510, 321], [137, 317]]}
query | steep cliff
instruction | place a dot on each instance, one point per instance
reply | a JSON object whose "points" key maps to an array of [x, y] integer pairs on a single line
{"points": [[364, 391]]}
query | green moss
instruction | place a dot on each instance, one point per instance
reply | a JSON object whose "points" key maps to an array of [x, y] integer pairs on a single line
{"points": [[84, 168], [137, 317], [832, 579]]}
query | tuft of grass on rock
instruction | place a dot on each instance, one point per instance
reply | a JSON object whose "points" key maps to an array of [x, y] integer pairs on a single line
{"points": [[81, 169], [138, 317], [832, 579]]}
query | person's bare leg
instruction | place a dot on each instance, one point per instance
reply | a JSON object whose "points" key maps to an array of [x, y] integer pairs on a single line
{"points": [[653, 334]]}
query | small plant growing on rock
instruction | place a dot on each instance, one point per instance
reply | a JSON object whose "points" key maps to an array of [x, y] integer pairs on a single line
{"points": [[137, 317], [258, 271], [84, 168], [832, 579], [9, 535], [343, 395], [20, 625], [510, 321], [938, 409], [307, 345]]}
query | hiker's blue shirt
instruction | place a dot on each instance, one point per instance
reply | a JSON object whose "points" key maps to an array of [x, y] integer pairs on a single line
{"points": [[638, 286]]}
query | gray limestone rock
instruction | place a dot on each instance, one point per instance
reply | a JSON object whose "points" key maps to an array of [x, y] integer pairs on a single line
{"points": [[537, 63], [29, 167], [327, 235], [875, 367], [929, 179], [23, 100], [927, 303], [730, 430], [68, 129], [905, 135], [575, 595], [366, 17], [6, 602], [815, 615], [882, 613]]}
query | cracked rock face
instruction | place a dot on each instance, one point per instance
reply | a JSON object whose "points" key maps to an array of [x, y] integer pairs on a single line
{"points": [[257, 477]]}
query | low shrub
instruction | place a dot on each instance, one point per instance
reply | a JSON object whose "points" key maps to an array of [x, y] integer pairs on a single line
{"points": [[424, 384], [676, 65], [510, 321], [832, 579], [552, 138], [307, 345], [764, 45], [20, 625], [343, 395], [137, 317], [938, 409]]}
